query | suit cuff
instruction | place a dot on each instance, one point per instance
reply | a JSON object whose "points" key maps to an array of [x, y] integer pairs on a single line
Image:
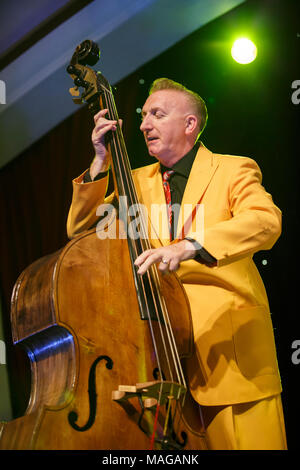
{"points": [[87, 176], [202, 256]]}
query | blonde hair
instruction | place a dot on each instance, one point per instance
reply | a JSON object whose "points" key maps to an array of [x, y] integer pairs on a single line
{"points": [[197, 102]]}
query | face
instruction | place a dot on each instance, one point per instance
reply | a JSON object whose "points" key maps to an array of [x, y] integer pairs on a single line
{"points": [[166, 125]]}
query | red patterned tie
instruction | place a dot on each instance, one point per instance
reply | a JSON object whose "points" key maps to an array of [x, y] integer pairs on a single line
{"points": [[166, 176]]}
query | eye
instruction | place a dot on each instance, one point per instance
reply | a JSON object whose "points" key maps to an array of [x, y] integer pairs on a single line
{"points": [[158, 114]]}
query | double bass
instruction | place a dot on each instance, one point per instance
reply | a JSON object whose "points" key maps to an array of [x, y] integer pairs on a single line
{"points": [[106, 346]]}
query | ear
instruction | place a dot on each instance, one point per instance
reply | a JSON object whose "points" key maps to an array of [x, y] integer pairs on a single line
{"points": [[191, 123]]}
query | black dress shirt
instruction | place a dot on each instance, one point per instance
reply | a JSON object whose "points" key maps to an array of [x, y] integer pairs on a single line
{"points": [[179, 178], [177, 182]]}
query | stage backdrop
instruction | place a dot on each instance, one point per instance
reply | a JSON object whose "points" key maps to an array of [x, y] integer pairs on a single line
{"points": [[253, 110]]}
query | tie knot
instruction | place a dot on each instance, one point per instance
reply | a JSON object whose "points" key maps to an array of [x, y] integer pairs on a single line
{"points": [[167, 174]]}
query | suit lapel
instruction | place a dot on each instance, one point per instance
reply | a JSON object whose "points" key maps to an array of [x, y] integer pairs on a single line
{"points": [[150, 188], [202, 171], [151, 194]]}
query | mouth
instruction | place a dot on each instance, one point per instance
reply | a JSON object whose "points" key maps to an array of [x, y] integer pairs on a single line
{"points": [[151, 139]]}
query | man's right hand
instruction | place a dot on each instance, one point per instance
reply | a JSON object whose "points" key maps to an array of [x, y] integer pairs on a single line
{"points": [[101, 161]]}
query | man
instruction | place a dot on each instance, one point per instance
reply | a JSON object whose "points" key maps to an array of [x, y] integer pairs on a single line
{"points": [[233, 374]]}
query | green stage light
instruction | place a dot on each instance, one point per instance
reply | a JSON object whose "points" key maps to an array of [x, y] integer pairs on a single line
{"points": [[243, 51]]}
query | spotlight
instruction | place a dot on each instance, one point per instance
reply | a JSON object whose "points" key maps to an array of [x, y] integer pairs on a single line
{"points": [[243, 51]]}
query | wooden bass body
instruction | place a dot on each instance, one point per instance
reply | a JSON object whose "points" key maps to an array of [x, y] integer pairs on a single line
{"points": [[76, 314]]}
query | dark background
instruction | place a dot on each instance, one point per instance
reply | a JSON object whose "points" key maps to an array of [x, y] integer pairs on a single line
{"points": [[250, 113]]}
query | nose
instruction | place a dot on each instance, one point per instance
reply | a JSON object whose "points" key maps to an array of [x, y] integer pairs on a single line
{"points": [[146, 124]]}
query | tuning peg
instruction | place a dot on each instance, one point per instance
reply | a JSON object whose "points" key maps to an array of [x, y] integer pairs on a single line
{"points": [[72, 70], [74, 91], [80, 82]]}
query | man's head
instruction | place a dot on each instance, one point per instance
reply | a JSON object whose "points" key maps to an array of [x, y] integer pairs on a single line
{"points": [[173, 119]]}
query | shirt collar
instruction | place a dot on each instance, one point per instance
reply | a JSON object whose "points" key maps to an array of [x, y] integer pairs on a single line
{"points": [[184, 165]]}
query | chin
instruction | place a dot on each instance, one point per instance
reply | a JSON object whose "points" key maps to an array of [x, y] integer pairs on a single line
{"points": [[152, 153]]}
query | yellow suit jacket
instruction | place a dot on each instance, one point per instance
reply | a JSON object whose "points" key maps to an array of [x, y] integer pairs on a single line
{"points": [[235, 359]]}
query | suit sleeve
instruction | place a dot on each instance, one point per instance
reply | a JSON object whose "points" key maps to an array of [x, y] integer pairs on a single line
{"points": [[86, 198], [255, 223]]}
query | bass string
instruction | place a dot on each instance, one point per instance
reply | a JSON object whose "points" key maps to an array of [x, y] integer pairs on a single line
{"points": [[123, 177], [170, 333], [176, 358], [120, 147], [150, 306], [154, 278]]}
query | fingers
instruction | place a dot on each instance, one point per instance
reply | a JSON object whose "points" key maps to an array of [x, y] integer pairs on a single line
{"points": [[102, 126], [168, 257], [102, 122], [101, 129], [100, 119], [167, 261], [145, 260], [100, 114]]}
